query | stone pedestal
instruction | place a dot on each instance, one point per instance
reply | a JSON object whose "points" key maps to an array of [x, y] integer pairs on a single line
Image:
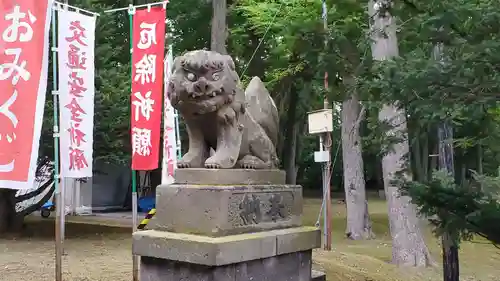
{"points": [[227, 229]]}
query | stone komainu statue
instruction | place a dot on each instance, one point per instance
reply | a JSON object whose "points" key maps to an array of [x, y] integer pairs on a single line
{"points": [[242, 127]]}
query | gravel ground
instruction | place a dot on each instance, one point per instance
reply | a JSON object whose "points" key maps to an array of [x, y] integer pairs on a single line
{"points": [[103, 253], [88, 256]]}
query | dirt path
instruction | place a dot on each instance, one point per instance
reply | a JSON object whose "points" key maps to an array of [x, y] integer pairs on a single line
{"points": [[89, 256], [103, 253]]}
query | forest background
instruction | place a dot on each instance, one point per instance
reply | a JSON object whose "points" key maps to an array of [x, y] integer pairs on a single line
{"points": [[399, 73]]}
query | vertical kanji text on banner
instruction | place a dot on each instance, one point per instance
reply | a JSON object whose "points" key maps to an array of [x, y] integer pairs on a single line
{"points": [[147, 77], [24, 47], [76, 92]]}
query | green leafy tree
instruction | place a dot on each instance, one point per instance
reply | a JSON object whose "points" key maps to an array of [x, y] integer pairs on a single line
{"points": [[464, 210]]}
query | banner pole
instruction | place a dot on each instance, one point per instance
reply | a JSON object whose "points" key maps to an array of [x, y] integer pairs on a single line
{"points": [[63, 188], [58, 233], [135, 259]]}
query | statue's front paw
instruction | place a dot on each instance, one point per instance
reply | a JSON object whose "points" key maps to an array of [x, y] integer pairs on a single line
{"points": [[212, 166], [213, 163], [183, 165], [218, 162], [190, 160], [251, 162], [226, 116], [248, 166]]}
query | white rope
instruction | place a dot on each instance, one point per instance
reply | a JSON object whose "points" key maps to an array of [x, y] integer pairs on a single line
{"points": [[57, 3], [262, 39], [164, 3]]}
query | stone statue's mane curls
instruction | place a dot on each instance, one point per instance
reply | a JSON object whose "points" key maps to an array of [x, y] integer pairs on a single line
{"points": [[193, 64], [241, 128], [203, 82]]}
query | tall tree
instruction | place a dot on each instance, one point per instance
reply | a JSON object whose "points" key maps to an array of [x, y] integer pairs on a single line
{"points": [[451, 267], [349, 28], [408, 244], [219, 26], [358, 223], [287, 43]]}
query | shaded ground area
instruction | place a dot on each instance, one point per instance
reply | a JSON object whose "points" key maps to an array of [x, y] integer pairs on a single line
{"points": [[369, 260], [93, 253], [101, 253]]}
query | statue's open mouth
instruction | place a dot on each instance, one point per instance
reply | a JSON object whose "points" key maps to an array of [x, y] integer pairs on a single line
{"points": [[204, 96]]}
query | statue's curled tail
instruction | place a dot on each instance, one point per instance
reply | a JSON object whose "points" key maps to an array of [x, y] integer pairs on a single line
{"points": [[262, 108]]}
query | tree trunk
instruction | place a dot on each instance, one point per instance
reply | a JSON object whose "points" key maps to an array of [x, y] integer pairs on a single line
{"points": [[420, 154], [449, 239], [415, 151], [301, 127], [463, 168], [290, 155], [291, 127], [358, 220], [479, 159], [7, 210], [425, 157], [451, 267], [434, 161], [219, 28], [408, 245]]}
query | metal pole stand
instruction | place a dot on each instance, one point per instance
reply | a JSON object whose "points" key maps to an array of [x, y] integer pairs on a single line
{"points": [[321, 122]]}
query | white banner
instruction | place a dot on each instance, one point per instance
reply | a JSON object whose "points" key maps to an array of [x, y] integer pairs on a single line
{"points": [[76, 36], [169, 162]]}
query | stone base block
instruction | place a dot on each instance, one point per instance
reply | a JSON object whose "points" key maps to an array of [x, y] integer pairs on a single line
{"points": [[219, 251], [229, 176], [288, 267], [215, 210], [318, 276]]}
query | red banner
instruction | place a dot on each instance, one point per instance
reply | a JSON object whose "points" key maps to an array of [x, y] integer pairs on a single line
{"points": [[147, 84], [24, 31]]}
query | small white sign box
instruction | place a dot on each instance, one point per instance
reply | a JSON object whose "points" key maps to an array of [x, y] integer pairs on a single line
{"points": [[320, 121]]}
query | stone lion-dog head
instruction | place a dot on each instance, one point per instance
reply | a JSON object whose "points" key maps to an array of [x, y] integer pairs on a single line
{"points": [[202, 82]]}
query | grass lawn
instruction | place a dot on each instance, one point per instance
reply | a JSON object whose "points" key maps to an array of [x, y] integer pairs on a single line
{"points": [[102, 253], [370, 260]]}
